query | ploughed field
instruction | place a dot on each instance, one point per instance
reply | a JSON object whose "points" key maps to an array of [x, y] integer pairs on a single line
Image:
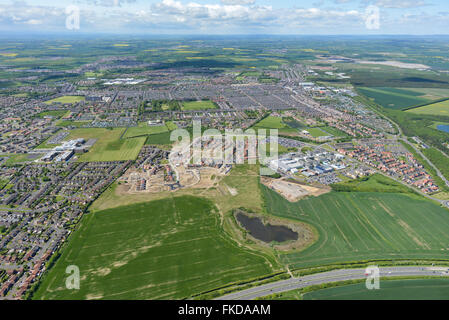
{"points": [[164, 249], [362, 226]]}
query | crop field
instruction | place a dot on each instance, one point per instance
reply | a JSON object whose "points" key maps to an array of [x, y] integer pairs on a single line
{"points": [[109, 145], [144, 129], [394, 98], [438, 109], [416, 289], [361, 226], [198, 105], [431, 93], [66, 99], [165, 249]]}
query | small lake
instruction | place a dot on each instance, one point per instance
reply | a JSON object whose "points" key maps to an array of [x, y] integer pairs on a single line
{"points": [[443, 127], [266, 233]]}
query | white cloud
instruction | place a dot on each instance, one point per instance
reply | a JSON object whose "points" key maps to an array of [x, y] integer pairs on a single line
{"points": [[400, 4], [225, 16], [240, 2]]}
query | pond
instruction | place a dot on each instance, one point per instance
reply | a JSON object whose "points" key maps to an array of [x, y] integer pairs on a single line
{"points": [[266, 233], [443, 127]]}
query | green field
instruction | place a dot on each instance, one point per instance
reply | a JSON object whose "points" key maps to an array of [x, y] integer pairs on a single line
{"points": [[171, 125], [394, 98], [53, 113], [109, 145], [66, 99], [164, 249], [362, 226], [439, 108], [334, 131], [270, 122], [374, 183], [159, 139], [69, 123], [19, 158], [198, 105], [144, 129], [416, 289], [317, 132]]}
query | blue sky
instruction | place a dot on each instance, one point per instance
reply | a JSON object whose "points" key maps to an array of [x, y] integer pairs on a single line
{"points": [[226, 16]]}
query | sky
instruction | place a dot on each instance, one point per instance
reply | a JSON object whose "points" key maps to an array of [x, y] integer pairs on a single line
{"points": [[208, 17]]}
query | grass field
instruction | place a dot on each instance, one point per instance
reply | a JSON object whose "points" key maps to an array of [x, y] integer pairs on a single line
{"points": [[394, 98], [109, 146], [66, 99], [334, 131], [362, 226], [416, 289], [159, 139], [69, 123], [165, 249], [440, 108], [198, 105], [171, 125], [270, 122], [144, 129], [53, 113], [374, 183], [317, 132], [17, 158]]}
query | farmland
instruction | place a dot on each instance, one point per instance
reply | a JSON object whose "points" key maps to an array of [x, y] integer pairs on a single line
{"points": [[164, 249], [418, 289], [109, 146], [439, 108], [394, 98], [361, 226]]}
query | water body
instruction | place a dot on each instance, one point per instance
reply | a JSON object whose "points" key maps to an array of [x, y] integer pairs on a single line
{"points": [[443, 127], [266, 233]]}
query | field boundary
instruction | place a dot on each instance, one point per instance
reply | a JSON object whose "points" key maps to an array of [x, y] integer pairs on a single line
{"points": [[425, 104]]}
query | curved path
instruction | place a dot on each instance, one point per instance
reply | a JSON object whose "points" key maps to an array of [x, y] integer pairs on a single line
{"points": [[331, 276]]}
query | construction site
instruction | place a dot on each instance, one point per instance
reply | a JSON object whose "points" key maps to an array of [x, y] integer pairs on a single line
{"points": [[293, 190]]}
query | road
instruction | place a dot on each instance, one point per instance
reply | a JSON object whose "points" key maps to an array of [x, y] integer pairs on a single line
{"points": [[331, 276]]}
